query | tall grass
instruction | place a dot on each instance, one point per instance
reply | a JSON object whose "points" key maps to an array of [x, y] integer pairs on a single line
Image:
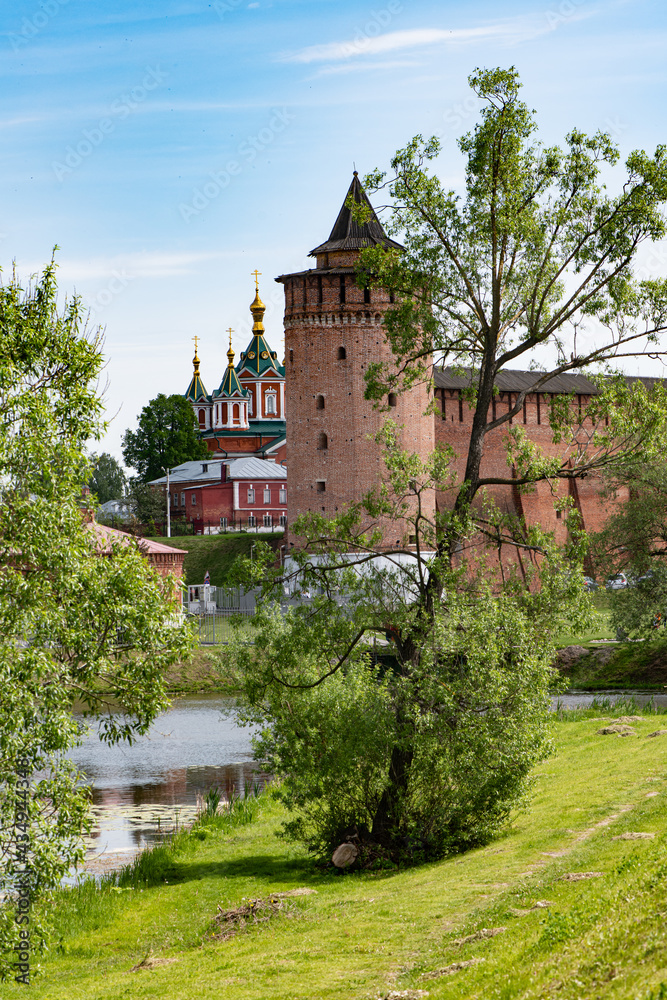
{"points": [[91, 902], [606, 706]]}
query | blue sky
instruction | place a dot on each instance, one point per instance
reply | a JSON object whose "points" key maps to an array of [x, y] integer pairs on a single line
{"points": [[170, 148]]}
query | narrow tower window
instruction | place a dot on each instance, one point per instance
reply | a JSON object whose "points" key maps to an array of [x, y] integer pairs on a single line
{"points": [[321, 486], [367, 294], [319, 403], [319, 289], [342, 288], [391, 399], [291, 356], [341, 354], [322, 442]]}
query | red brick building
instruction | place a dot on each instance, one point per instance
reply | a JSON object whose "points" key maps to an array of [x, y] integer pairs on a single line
{"points": [[220, 495], [163, 558]]}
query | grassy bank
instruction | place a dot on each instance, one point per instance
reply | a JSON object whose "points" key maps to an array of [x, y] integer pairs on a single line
{"points": [[641, 665], [216, 553], [434, 928]]}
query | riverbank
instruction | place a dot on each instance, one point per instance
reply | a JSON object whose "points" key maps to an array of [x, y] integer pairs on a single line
{"points": [[636, 665], [569, 903]]}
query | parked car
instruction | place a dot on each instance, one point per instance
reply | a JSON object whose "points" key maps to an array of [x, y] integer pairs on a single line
{"points": [[590, 584], [617, 582]]}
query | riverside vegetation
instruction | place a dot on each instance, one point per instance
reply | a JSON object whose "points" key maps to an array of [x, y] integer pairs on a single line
{"points": [[203, 916]]}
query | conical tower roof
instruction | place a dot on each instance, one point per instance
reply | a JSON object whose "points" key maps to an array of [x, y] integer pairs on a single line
{"points": [[230, 385], [196, 389], [348, 234]]}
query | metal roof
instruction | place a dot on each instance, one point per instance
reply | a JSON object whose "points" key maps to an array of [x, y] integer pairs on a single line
{"points": [[510, 380], [348, 234], [188, 472], [256, 468]]}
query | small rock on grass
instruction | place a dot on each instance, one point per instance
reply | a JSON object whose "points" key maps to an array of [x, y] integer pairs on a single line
{"points": [[404, 995], [658, 732], [580, 876], [345, 855], [626, 720], [449, 970], [616, 729], [485, 932], [634, 836]]}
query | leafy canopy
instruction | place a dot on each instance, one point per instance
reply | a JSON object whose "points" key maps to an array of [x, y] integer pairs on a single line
{"points": [[107, 480], [80, 620], [166, 436]]}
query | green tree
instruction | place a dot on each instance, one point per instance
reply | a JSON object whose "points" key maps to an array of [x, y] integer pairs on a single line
{"points": [[634, 541], [80, 620], [533, 261], [107, 480], [147, 503], [166, 436]]}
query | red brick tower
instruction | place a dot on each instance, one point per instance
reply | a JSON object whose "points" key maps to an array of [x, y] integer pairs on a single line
{"points": [[333, 331]]}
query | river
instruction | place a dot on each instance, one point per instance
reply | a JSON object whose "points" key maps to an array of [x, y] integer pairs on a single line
{"points": [[152, 787]]}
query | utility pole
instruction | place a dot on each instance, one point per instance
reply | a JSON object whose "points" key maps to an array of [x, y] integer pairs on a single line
{"points": [[168, 506]]}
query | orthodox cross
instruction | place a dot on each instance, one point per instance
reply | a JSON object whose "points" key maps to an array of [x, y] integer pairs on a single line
{"points": [[256, 275], [196, 340], [230, 332]]}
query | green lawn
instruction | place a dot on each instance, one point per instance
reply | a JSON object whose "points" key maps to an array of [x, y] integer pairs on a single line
{"points": [[360, 936], [600, 631], [216, 553]]}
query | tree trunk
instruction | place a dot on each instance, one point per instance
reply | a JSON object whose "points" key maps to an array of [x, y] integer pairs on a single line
{"points": [[387, 823]]}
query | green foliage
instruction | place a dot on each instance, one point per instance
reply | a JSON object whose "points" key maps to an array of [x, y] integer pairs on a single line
{"points": [[75, 624], [107, 480], [166, 436], [147, 503], [466, 723]]}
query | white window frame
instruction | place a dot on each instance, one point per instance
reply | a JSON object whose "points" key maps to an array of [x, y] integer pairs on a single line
{"points": [[271, 403], [283, 520], [282, 495], [193, 499], [182, 499], [268, 521], [267, 494], [251, 494]]}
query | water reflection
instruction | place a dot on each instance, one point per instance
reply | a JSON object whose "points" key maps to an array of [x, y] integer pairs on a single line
{"points": [[584, 699], [141, 792]]}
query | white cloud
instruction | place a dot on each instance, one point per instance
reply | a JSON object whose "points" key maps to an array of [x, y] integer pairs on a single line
{"points": [[365, 43], [355, 67], [135, 265]]}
